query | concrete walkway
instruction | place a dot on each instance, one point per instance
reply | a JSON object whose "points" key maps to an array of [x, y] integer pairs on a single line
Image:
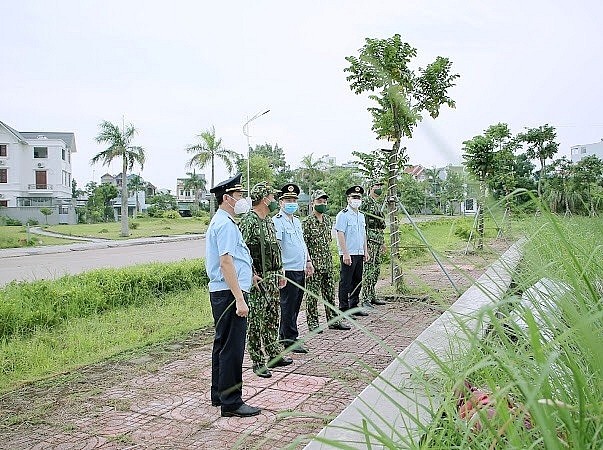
{"points": [[92, 244], [168, 405]]}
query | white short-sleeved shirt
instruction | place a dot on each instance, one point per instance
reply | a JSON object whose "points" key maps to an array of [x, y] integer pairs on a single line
{"points": [[353, 226], [223, 237], [291, 238]]}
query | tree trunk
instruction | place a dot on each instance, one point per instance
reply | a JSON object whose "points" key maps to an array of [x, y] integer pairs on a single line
{"points": [[480, 215], [392, 198], [212, 198], [125, 232]]}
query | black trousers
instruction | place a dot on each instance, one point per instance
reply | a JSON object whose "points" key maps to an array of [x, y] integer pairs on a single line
{"points": [[350, 279], [228, 351], [291, 299]]}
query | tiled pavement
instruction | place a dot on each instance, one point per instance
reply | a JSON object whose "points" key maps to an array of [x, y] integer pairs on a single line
{"points": [[170, 406]]}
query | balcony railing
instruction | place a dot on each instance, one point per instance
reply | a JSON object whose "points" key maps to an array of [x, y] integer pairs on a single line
{"points": [[39, 186]]}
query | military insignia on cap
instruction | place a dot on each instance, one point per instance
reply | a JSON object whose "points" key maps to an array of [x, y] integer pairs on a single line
{"points": [[357, 189], [290, 188]]}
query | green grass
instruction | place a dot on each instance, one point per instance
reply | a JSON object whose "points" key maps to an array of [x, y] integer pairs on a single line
{"points": [[146, 227], [16, 236], [91, 339], [27, 307]]}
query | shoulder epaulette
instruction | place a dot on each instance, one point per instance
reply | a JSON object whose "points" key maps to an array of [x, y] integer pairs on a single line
{"points": [[279, 215], [345, 210]]}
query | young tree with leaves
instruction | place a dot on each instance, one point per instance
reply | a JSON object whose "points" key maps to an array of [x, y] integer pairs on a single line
{"points": [[206, 151], [541, 146], [402, 95], [196, 184], [120, 146], [479, 154]]}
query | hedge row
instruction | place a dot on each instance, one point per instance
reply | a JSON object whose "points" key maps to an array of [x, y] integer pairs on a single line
{"points": [[28, 306]]}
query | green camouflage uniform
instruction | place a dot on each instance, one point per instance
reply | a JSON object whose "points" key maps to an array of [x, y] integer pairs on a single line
{"points": [[318, 237], [375, 224], [263, 319]]}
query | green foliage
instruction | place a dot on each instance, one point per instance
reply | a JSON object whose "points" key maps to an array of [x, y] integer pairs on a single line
{"points": [[134, 225], [9, 221], [30, 306], [99, 207], [171, 214], [542, 146], [276, 156], [46, 212], [260, 169], [161, 203]]}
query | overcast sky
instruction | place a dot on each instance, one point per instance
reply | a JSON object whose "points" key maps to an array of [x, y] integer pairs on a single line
{"points": [[174, 69]]}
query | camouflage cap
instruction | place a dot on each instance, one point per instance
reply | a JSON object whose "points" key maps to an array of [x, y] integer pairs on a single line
{"points": [[319, 194], [261, 190], [375, 182]]}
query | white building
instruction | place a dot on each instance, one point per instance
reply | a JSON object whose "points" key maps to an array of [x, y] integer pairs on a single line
{"points": [[35, 173], [582, 151], [137, 200]]}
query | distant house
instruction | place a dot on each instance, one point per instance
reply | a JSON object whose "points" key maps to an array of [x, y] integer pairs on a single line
{"points": [[134, 197], [417, 172], [186, 197], [582, 151], [36, 173]]}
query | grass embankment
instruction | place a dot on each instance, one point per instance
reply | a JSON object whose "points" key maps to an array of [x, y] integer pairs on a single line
{"points": [[52, 326], [139, 228], [16, 236], [544, 352]]}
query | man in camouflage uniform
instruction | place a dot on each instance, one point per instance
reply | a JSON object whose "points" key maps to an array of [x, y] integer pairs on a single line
{"points": [[318, 235], [375, 224], [263, 321]]}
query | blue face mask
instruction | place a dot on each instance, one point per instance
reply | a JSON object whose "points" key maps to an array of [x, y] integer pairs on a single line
{"points": [[290, 208]]}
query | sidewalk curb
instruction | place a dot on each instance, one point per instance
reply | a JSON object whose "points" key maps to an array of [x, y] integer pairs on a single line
{"points": [[82, 246]]}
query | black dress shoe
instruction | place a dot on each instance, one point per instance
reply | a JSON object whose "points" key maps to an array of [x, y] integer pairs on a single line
{"points": [[281, 362], [299, 349], [359, 314], [261, 371], [378, 302], [340, 326], [242, 411]]}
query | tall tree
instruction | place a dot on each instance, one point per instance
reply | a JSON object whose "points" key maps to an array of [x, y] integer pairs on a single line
{"points": [[276, 159], [194, 183], [587, 177], [541, 146], [309, 173], [401, 95], [205, 152], [135, 185], [479, 158], [260, 169], [120, 146]]}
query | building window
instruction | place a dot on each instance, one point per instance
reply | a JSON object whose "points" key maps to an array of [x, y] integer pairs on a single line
{"points": [[34, 201], [40, 152], [4, 203], [583, 150], [63, 154], [3, 175], [2, 149]]}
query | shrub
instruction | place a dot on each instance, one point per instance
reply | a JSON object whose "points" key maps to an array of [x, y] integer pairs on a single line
{"points": [[170, 214], [9, 221], [134, 225], [103, 230]]}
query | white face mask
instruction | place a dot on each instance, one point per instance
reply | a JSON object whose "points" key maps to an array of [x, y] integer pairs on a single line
{"points": [[241, 205], [355, 203]]}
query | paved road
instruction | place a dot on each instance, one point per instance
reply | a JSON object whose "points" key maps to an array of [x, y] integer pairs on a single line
{"points": [[45, 263]]}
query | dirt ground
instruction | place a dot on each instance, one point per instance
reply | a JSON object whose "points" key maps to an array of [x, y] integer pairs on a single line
{"points": [[158, 397]]}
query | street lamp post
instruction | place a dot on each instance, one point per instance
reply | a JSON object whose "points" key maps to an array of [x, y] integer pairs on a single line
{"points": [[246, 133]]}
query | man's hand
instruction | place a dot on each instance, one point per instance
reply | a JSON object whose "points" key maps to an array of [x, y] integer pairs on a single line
{"points": [[282, 282], [256, 279], [367, 257], [242, 308], [347, 259], [309, 269]]}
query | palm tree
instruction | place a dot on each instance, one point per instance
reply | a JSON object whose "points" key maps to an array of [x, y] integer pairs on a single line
{"points": [[205, 152], [136, 184], [194, 183], [120, 147]]}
